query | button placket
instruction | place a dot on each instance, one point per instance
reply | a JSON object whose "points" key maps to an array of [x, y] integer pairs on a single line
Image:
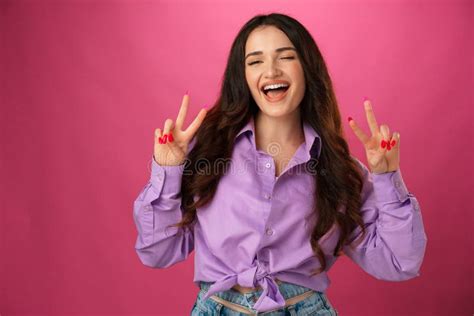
{"points": [[266, 167], [264, 163]]}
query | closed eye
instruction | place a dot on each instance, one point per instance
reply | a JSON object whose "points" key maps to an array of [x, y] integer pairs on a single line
{"points": [[258, 61]]}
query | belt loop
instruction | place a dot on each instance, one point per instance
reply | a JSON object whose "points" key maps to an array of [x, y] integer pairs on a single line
{"points": [[292, 311]]}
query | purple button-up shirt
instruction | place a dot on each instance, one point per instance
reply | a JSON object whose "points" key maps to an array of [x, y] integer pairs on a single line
{"points": [[255, 229]]}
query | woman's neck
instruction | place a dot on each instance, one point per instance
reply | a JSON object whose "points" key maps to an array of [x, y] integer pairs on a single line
{"points": [[284, 131]]}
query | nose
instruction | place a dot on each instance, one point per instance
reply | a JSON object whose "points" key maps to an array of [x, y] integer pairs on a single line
{"points": [[272, 69]]}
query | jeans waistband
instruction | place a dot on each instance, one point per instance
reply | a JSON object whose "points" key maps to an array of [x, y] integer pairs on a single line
{"points": [[287, 290]]}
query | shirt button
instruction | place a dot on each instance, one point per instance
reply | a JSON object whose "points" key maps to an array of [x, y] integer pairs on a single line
{"points": [[268, 165], [268, 196], [397, 184], [149, 208], [269, 231]]}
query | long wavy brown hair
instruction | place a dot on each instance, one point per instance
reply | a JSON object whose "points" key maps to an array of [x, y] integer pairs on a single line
{"points": [[338, 176]]}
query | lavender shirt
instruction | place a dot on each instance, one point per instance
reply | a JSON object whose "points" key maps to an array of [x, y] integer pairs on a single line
{"points": [[255, 230]]}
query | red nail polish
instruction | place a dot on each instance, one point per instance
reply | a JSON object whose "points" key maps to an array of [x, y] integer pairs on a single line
{"points": [[393, 143], [170, 137], [160, 140], [165, 138], [349, 119], [388, 146], [383, 143]]}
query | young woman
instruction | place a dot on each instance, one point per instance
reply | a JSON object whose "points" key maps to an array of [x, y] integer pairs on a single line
{"points": [[263, 186]]}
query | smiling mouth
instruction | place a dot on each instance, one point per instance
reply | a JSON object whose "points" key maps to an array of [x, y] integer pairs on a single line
{"points": [[275, 95]]}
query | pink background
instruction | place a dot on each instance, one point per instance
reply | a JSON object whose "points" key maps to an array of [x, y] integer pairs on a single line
{"points": [[85, 83]]}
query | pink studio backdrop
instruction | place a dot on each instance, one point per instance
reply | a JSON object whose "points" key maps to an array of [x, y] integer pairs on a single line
{"points": [[85, 83]]}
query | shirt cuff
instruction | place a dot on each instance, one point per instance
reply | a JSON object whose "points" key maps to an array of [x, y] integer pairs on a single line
{"points": [[389, 186], [166, 179]]}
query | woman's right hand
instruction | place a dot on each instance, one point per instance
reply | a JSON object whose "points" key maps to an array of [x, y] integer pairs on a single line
{"points": [[172, 151]]}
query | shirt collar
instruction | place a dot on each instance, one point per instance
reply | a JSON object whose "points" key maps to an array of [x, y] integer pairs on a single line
{"points": [[312, 139]]}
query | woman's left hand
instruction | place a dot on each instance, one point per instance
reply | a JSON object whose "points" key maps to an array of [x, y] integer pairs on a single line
{"points": [[382, 148]]}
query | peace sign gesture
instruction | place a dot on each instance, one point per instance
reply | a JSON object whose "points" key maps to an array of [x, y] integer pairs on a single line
{"points": [[382, 149], [171, 146]]}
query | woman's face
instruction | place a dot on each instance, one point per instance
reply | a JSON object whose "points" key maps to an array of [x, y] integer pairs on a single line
{"points": [[272, 66]]}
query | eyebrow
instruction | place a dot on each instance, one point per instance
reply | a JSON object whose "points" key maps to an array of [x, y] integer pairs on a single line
{"points": [[278, 50]]}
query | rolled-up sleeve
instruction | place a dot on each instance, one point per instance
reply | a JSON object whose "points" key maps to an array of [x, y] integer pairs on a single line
{"points": [[395, 243]]}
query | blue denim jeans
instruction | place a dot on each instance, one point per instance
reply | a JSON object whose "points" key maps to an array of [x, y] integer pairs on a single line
{"points": [[316, 304]]}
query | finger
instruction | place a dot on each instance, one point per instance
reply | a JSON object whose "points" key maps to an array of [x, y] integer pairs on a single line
{"points": [[359, 132], [166, 129], [385, 131], [395, 140], [182, 112], [369, 112], [193, 127], [172, 145], [158, 136]]}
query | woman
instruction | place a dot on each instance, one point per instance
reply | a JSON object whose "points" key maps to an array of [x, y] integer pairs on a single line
{"points": [[264, 188]]}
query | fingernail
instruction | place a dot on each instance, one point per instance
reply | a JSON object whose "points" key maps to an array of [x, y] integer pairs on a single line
{"points": [[349, 119], [388, 146], [170, 137], [383, 143], [165, 138], [187, 92], [160, 140], [393, 143]]}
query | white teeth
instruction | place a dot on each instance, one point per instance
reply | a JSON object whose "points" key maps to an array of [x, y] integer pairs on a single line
{"points": [[274, 86]]}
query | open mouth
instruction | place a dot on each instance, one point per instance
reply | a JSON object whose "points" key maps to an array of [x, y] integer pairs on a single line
{"points": [[277, 94]]}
